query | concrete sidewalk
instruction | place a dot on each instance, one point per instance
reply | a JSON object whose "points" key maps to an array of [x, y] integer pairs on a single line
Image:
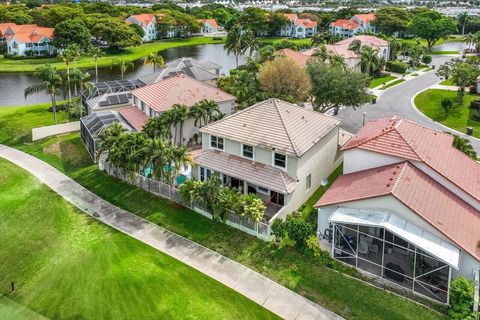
{"points": [[251, 284]]}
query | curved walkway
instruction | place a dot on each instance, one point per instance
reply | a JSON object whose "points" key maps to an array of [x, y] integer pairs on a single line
{"points": [[251, 284], [397, 100]]}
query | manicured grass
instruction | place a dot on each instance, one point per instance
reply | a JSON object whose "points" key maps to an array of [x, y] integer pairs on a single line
{"points": [[347, 297], [10, 310], [379, 81], [429, 102], [69, 266], [444, 52], [447, 82], [129, 54], [391, 84]]}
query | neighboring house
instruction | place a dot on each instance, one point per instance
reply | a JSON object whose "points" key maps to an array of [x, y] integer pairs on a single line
{"points": [[274, 149], [202, 70], [407, 208], [148, 22], [298, 57], [156, 98], [359, 23], [26, 40], [208, 26], [298, 28], [377, 43], [352, 60], [131, 118]]}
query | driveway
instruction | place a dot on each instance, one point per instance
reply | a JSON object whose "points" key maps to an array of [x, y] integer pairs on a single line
{"points": [[397, 101]]}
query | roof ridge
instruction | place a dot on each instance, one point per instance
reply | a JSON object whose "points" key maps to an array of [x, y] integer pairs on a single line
{"points": [[397, 181], [287, 131]]}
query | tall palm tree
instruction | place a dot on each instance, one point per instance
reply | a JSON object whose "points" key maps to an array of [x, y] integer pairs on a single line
{"points": [[155, 157], [154, 58], [198, 113], [67, 57], [50, 83], [321, 53], [337, 60], [96, 53], [210, 108], [237, 42], [108, 136], [394, 48], [181, 159], [182, 114], [462, 18], [123, 65], [74, 51], [369, 59], [253, 43], [82, 79]]}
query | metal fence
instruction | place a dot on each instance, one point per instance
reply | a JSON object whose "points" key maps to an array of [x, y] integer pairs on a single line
{"points": [[258, 229]]}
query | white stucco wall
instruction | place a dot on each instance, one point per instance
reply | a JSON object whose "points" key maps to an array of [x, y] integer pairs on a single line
{"points": [[357, 160]]}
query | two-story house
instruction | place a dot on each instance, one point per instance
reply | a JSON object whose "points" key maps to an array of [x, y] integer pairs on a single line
{"points": [[274, 149], [382, 46], [208, 26], [407, 208], [359, 23], [298, 28], [29, 39], [148, 22]]}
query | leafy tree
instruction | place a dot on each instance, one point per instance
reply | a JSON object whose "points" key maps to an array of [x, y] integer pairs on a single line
{"points": [[255, 19], [346, 13], [182, 23], [154, 58], [461, 299], [167, 5], [391, 20], [50, 83], [71, 32], [432, 26], [463, 74], [244, 86], [426, 59], [15, 13], [33, 4], [334, 86], [276, 23], [138, 30], [52, 15], [116, 33], [283, 78]]}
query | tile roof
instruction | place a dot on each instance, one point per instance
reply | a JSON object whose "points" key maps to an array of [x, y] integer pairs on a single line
{"points": [[4, 27], [275, 124], [181, 89], [144, 18], [345, 24], [254, 172], [135, 117], [365, 17], [365, 40], [336, 50], [212, 22], [307, 23], [26, 32], [441, 208], [290, 16], [298, 57], [405, 139]]}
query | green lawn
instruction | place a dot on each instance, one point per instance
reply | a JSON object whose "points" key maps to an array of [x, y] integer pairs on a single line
{"points": [[429, 102], [447, 82], [379, 81], [444, 52], [130, 54], [391, 84], [347, 297], [69, 266]]}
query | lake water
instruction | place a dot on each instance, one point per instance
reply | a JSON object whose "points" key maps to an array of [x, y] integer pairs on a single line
{"points": [[12, 85]]}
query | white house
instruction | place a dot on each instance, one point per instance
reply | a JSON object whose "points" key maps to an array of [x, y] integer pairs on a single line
{"points": [[156, 98], [352, 59], [24, 40], [274, 149], [298, 28], [148, 22], [407, 208], [208, 26], [359, 23], [382, 46]]}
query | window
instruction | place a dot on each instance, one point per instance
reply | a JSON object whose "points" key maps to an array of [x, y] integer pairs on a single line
{"points": [[263, 190], [308, 182], [202, 174], [216, 142], [247, 151], [280, 160]]}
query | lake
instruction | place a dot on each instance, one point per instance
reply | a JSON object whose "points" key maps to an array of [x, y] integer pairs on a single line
{"points": [[12, 85]]}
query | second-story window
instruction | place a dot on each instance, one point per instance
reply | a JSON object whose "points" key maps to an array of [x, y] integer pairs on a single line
{"points": [[247, 151], [216, 142], [280, 160]]}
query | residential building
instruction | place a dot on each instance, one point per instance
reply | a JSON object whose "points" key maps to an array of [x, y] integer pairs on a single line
{"points": [[298, 28], [26, 40], [148, 22], [298, 57], [156, 98], [202, 70], [352, 59], [407, 208], [274, 149], [359, 23], [208, 26], [382, 46]]}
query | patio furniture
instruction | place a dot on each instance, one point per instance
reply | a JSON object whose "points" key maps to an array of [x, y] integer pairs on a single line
{"points": [[363, 247], [373, 248]]}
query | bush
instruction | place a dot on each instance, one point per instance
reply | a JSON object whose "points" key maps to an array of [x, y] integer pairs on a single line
{"points": [[279, 228], [397, 66], [461, 299], [285, 44], [427, 59], [447, 105], [475, 104], [299, 231], [217, 38]]}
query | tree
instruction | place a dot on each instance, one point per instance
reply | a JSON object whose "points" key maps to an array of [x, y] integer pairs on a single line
{"points": [[334, 86], [276, 23], [243, 85], [464, 145], [181, 112], [473, 39], [82, 79], [116, 33], [96, 53], [124, 65], [183, 24], [154, 58], [255, 19], [266, 53], [462, 20], [283, 78], [369, 60], [463, 74], [355, 46], [461, 299], [138, 30], [392, 20], [108, 136], [67, 57], [432, 26], [237, 42], [50, 83], [50, 16], [70, 32], [447, 105], [426, 59]]}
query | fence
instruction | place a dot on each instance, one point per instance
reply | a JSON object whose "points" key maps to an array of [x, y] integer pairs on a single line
{"points": [[258, 229], [43, 132]]}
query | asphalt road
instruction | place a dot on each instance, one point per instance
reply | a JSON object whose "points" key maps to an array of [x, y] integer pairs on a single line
{"points": [[397, 101]]}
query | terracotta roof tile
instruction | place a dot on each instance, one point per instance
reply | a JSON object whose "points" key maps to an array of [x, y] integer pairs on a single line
{"points": [[212, 22], [345, 24], [144, 18], [135, 117], [298, 57], [365, 17], [365, 40], [26, 32]]}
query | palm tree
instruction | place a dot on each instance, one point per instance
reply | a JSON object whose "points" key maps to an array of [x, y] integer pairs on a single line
{"points": [[369, 59], [181, 158], [83, 81], [337, 60], [198, 113], [50, 83], [355, 46], [123, 65], [74, 52], [464, 145], [108, 136], [317, 39], [394, 47], [462, 18], [253, 43], [210, 110], [155, 157], [182, 114], [67, 57], [321, 53], [237, 42], [96, 53], [154, 58]]}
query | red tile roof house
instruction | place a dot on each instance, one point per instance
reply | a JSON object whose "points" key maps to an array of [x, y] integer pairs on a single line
{"points": [[208, 26], [351, 58], [156, 98], [298, 28], [407, 208], [148, 22], [382, 46], [28, 39], [359, 23]]}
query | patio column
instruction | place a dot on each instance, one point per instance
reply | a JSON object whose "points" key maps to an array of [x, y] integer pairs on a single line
{"points": [[245, 187]]}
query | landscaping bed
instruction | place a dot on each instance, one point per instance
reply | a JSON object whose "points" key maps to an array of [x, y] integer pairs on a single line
{"points": [[288, 266], [380, 80], [391, 84]]}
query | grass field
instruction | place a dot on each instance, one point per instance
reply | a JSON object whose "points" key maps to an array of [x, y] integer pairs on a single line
{"points": [[347, 297], [68, 266], [129, 54], [379, 81], [447, 82], [391, 84], [429, 102]]}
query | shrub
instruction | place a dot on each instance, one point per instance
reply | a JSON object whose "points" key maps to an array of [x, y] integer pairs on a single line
{"points": [[279, 228], [217, 38], [427, 59], [313, 251], [299, 231], [475, 104], [461, 299], [284, 44], [447, 105], [397, 66]]}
